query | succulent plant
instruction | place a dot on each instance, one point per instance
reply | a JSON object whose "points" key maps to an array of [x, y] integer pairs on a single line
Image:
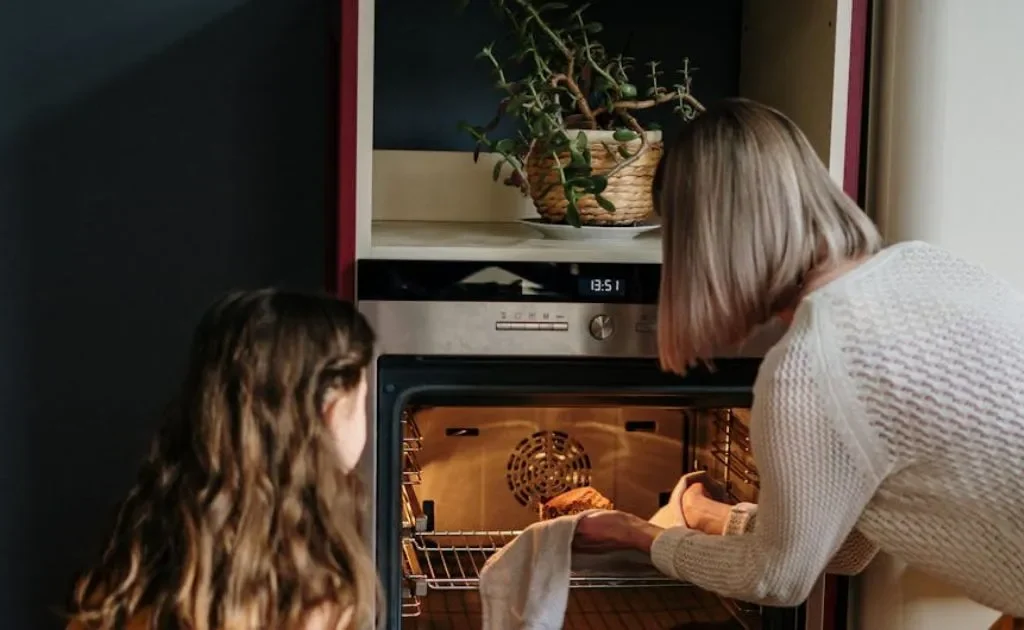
{"points": [[568, 82]]}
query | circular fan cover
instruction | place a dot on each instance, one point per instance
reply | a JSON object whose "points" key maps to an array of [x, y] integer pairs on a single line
{"points": [[544, 465]]}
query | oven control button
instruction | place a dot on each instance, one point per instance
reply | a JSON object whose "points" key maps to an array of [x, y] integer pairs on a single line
{"points": [[602, 327], [646, 326], [518, 326]]}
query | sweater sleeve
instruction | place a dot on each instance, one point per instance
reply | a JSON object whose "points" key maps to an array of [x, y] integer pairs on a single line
{"points": [[814, 487], [854, 555]]}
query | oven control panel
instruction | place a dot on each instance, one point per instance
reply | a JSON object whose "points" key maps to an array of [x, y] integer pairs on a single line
{"points": [[600, 326], [512, 308], [488, 329]]}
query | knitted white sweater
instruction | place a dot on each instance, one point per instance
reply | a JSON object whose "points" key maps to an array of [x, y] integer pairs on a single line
{"points": [[891, 416]]}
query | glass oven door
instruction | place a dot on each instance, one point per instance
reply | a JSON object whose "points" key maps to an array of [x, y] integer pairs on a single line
{"points": [[469, 448]]}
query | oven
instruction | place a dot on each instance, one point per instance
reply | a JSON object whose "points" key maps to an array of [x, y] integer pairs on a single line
{"points": [[499, 385]]}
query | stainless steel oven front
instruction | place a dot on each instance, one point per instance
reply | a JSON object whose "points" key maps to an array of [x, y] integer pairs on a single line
{"points": [[499, 385]]}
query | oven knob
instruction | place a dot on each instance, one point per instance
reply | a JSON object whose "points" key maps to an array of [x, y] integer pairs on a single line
{"points": [[602, 327]]}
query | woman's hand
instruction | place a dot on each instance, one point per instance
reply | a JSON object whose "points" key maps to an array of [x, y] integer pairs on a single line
{"points": [[611, 530], [703, 513]]}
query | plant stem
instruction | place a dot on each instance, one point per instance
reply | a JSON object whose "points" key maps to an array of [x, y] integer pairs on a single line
{"points": [[555, 39], [586, 51], [497, 67], [634, 125], [581, 100], [661, 99]]}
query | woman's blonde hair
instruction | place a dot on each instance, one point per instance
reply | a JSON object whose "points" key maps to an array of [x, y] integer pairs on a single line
{"points": [[242, 516], [747, 210]]}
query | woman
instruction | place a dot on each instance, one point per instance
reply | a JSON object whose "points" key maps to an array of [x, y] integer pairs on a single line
{"points": [[247, 512], [891, 414]]}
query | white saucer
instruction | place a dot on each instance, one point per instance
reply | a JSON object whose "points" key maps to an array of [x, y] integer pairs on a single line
{"points": [[565, 232]]}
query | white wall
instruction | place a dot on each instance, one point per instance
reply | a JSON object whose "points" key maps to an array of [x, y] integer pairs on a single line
{"points": [[950, 149], [948, 168]]}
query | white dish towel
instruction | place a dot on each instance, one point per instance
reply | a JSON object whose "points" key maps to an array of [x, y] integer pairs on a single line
{"points": [[525, 585]]}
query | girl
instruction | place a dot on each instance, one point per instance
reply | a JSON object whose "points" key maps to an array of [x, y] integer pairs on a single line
{"points": [[891, 414], [247, 512]]}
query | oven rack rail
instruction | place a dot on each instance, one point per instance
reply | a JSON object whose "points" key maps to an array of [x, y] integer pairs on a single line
{"points": [[412, 442], [413, 518], [452, 560], [730, 447], [412, 439], [412, 592], [411, 606]]}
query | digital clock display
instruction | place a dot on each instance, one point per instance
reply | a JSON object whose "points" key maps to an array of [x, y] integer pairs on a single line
{"points": [[598, 287]]}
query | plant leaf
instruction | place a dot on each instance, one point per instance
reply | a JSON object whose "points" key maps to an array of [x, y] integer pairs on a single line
{"points": [[496, 173], [580, 184], [577, 159], [572, 212], [597, 184], [581, 142], [605, 203], [625, 135], [558, 141], [505, 146]]}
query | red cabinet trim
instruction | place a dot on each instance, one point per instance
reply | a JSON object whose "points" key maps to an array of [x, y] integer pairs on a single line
{"points": [[859, 51], [348, 125]]}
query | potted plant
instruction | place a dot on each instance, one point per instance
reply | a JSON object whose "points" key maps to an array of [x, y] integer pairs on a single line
{"points": [[578, 149]]}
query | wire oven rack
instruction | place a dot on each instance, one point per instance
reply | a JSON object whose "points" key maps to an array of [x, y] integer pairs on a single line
{"points": [[452, 560], [730, 448]]}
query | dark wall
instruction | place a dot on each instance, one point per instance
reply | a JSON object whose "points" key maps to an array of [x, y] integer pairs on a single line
{"points": [[152, 155], [427, 77]]}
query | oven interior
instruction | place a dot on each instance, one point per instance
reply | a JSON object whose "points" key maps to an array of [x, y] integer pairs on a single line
{"points": [[473, 477]]}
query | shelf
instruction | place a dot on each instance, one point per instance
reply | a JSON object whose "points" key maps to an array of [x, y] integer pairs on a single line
{"points": [[452, 240], [451, 561]]}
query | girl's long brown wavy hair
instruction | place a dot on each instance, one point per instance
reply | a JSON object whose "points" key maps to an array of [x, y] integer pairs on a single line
{"points": [[241, 517]]}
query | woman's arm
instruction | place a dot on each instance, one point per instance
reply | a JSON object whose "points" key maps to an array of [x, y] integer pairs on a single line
{"points": [[814, 487], [721, 519]]}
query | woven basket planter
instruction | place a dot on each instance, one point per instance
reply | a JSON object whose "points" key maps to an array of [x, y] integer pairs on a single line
{"points": [[629, 189]]}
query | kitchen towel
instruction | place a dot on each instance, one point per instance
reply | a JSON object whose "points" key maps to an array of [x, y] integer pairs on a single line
{"points": [[525, 585]]}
